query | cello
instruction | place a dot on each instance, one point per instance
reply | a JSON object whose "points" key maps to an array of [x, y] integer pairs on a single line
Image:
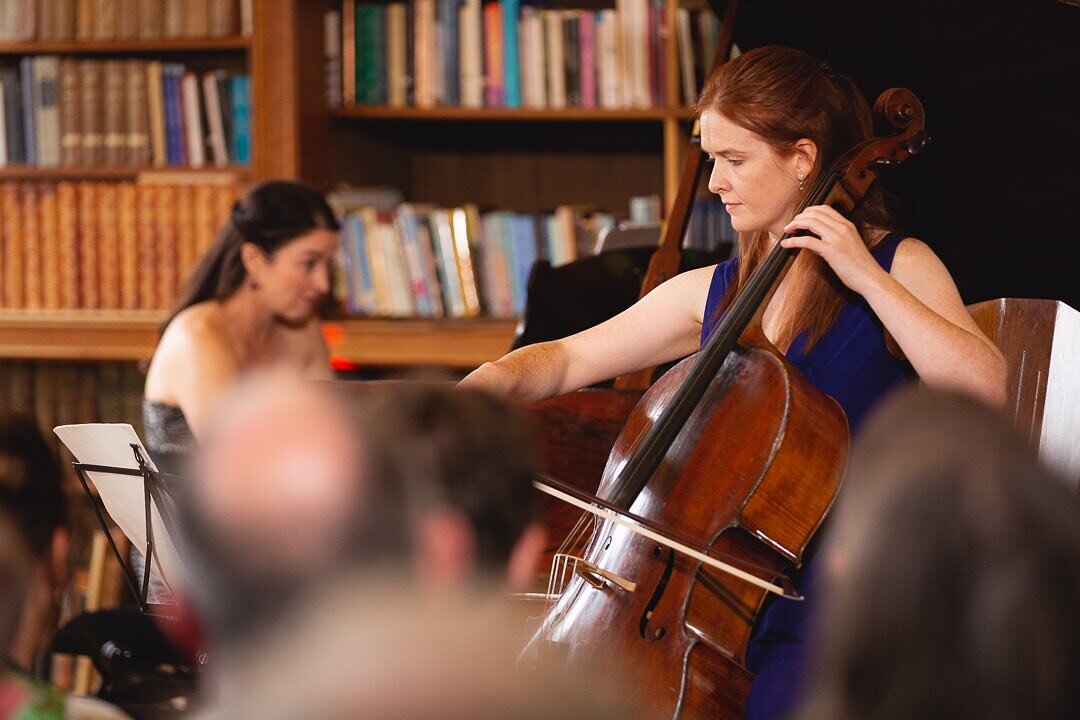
{"points": [[736, 452]]}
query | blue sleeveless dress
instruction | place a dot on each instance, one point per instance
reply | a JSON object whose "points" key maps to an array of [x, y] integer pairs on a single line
{"points": [[852, 364]]}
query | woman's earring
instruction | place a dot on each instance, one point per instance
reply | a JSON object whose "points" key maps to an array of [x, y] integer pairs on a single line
{"points": [[802, 179], [254, 284]]}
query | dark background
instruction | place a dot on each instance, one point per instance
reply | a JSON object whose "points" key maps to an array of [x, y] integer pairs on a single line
{"points": [[997, 191]]}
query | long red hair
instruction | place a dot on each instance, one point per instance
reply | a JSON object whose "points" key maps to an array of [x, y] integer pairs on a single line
{"points": [[784, 95]]}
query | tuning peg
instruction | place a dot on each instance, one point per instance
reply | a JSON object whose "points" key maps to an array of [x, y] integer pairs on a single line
{"points": [[917, 142]]}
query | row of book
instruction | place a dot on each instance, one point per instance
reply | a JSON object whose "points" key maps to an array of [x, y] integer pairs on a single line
{"points": [[417, 260], [507, 54], [423, 261], [103, 245], [119, 112], [105, 20]]}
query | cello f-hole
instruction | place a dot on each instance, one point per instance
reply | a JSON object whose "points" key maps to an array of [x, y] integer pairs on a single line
{"points": [[653, 634]]}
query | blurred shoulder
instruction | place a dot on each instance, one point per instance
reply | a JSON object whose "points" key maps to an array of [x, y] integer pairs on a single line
{"points": [[198, 328]]}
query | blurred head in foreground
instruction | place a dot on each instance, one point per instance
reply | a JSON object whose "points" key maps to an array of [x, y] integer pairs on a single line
{"points": [[464, 459], [283, 496], [954, 587]]}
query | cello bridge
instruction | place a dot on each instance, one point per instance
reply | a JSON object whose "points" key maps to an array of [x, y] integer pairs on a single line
{"points": [[565, 565]]}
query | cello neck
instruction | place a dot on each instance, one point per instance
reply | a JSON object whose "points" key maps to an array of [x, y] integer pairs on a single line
{"points": [[666, 260]]}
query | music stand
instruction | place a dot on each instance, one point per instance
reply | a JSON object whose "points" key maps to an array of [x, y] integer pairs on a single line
{"points": [[111, 455]]}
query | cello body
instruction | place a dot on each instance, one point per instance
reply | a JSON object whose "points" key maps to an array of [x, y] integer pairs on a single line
{"points": [[736, 479]]}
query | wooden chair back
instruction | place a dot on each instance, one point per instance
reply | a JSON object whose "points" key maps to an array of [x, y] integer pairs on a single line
{"points": [[1041, 343]]}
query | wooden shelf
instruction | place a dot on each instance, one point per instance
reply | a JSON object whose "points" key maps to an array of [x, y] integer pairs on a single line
{"points": [[28, 172], [113, 47], [79, 335], [377, 112], [133, 334], [450, 343]]}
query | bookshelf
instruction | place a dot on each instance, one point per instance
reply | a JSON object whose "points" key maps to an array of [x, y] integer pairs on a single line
{"points": [[91, 335], [119, 47], [645, 144], [131, 336], [445, 155], [26, 172], [365, 112], [526, 159]]}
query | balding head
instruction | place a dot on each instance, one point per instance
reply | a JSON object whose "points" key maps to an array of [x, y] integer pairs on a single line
{"points": [[280, 468], [281, 496]]}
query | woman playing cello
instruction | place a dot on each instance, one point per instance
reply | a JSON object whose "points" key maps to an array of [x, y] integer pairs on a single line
{"points": [[856, 313]]}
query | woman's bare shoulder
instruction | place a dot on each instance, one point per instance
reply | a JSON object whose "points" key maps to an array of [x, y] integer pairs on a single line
{"points": [[195, 345], [914, 258], [196, 331]]}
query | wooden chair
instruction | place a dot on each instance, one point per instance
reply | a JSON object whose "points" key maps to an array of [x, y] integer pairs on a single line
{"points": [[1041, 343]]}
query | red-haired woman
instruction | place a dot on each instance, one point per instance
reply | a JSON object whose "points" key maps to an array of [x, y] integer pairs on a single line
{"points": [[862, 307]]}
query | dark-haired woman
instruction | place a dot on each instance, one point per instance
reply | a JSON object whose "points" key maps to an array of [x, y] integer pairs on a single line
{"points": [[862, 306], [251, 302]]}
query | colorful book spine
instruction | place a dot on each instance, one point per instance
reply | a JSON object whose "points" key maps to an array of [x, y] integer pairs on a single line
{"points": [[13, 116], [493, 55], [449, 43], [511, 53], [240, 95], [587, 35], [174, 129], [30, 103]]}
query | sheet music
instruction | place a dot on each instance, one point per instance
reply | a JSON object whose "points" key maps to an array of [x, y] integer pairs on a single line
{"points": [[122, 495]]}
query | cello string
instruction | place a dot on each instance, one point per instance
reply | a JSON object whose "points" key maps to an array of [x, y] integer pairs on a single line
{"points": [[667, 542]]}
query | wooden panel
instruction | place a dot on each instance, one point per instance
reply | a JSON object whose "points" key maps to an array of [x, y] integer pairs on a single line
{"points": [[1024, 331], [133, 335], [79, 335], [376, 112], [459, 344], [522, 166], [288, 107], [116, 47]]}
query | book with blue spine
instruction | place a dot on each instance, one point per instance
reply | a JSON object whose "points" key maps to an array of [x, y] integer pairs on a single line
{"points": [[523, 234], [421, 271], [240, 93], [361, 283], [448, 21], [29, 101], [170, 91], [13, 116], [511, 53]]}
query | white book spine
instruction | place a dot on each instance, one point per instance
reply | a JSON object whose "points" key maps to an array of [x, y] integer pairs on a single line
{"points": [[471, 47], [556, 70], [214, 119], [534, 31], [192, 122], [47, 79], [608, 58], [686, 56]]}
